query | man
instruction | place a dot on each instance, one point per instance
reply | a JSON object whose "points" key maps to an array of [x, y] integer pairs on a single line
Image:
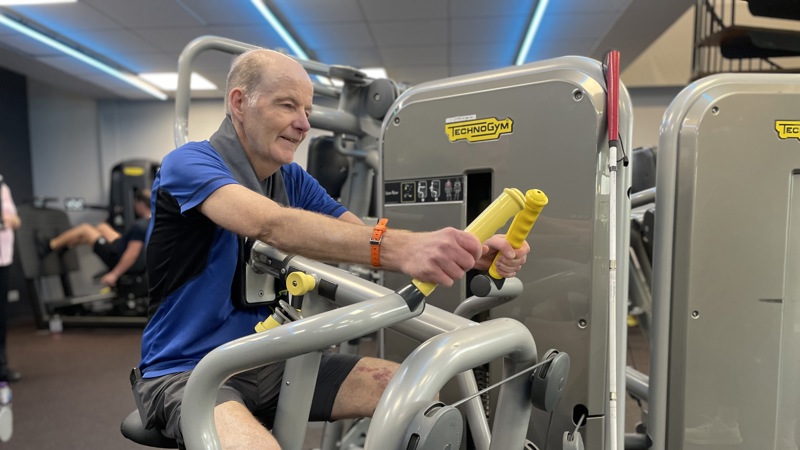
{"points": [[120, 252], [209, 193]]}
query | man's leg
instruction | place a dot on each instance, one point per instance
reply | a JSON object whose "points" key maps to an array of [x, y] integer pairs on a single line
{"points": [[236, 426], [362, 389], [82, 234], [238, 429], [108, 232]]}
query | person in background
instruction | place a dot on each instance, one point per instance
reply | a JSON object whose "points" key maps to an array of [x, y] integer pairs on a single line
{"points": [[9, 221], [120, 252], [243, 182]]}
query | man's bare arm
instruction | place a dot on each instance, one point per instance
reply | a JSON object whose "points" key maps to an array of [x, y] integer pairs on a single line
{"points": [[126, 261], [441, 256]]}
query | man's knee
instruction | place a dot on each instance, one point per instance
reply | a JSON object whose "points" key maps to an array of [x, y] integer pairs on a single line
{"points": [[87, 227], [238, 428], [376, 372], [363, 387], [88, 233]]}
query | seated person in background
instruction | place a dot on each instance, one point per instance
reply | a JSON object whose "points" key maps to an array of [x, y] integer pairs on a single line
{"points": [[121, 253]]}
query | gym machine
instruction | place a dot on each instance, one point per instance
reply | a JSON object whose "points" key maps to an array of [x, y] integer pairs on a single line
{"points": [[449, 146], [726, 260], [127, 178]]}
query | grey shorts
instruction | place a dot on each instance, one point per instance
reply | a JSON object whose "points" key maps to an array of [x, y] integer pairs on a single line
{"points": [[257, 389]]}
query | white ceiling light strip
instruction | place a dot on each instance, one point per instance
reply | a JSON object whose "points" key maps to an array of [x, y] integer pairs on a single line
{"points": [[129, 78]]}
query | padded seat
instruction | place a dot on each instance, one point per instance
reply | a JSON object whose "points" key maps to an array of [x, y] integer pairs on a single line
{"points": [[133, 429]]}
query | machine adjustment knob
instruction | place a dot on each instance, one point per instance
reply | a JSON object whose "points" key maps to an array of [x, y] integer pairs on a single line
{"points": [[299, 283]]}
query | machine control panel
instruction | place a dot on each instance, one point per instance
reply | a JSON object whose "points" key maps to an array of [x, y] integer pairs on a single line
{"points": [[425, 190]]}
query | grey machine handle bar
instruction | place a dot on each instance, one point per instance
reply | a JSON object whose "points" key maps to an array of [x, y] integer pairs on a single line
{"points": [[363, 307]]}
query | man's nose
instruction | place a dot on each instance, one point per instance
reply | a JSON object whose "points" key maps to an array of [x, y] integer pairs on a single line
{"points": [[302, 124]]}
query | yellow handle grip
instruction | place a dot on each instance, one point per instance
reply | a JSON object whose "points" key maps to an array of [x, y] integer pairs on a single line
{"points": [[505, 206], [268, 324], [535, 201]]}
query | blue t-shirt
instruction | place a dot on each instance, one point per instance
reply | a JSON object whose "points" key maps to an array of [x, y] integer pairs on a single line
{"points": [[191, 261]]}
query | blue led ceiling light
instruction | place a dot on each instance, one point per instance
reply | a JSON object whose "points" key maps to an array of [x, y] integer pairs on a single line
{"points": [[533, 27], [279, 28], [50, 42], [286, 36]]}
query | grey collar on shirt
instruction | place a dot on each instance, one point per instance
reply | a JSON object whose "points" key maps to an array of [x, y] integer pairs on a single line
{"points": [[226, 143]]}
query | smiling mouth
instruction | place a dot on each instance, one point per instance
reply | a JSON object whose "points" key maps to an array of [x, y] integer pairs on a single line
{"points": [[294, 141]]}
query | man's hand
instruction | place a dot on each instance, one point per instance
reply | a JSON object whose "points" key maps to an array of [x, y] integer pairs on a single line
{"points": [[439, 257], [109, 279], [510, 260]]}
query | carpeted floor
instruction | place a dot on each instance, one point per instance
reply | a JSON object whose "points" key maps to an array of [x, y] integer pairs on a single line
{"points": [[74, 390]]}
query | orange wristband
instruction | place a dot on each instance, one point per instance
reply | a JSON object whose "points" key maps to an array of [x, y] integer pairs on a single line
{"points": [[375, 242]]}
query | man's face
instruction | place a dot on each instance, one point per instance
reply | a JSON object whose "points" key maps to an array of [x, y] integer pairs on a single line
{"points": [[277, 121]]}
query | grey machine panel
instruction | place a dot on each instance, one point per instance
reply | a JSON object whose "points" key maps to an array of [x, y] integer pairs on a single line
{"points": [[724, 366], [542, 126]]}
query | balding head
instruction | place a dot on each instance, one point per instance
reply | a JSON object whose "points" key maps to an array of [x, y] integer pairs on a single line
{"points": [[257, 70]]}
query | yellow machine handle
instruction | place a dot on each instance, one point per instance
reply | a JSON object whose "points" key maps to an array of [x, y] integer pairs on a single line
{"points": [[505, 206], [535, 201], [268, 324], [297, 283]]}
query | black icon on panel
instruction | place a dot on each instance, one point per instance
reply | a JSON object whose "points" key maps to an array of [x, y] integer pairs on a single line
{"points": [[408, 194], [436, 190], [422, 190]]}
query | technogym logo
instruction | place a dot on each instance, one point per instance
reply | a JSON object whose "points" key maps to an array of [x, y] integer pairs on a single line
{"points": [[477, 130], [788, 129]]}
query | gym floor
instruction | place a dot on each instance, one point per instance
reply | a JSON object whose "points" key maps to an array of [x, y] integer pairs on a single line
{"points": [[74, 390]]}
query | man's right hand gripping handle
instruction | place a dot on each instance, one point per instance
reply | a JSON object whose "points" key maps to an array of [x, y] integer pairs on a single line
{"points": [[505, 206], [535, 201]]}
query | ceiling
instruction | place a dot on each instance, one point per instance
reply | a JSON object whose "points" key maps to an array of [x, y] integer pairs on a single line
{"points": [[415, 40]]}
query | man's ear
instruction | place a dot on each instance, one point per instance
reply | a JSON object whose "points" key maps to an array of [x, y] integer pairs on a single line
{"points": [[236, 99]]}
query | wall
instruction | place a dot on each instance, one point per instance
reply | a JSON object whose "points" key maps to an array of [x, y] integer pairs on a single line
{"points": [[140, 129], [65, 157], [649, 105], [144, 129], [76, 141], [668, 60]]}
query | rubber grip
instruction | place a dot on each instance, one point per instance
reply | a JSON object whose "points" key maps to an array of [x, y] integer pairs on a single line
{"points": [[267, 324], [612, 88], [535, 201], [505, 206]]}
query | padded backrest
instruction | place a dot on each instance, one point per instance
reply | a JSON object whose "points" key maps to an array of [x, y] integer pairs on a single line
{"points": [[45, 222], [780, 9], [643, 161], [327, 165], [128, 178]]}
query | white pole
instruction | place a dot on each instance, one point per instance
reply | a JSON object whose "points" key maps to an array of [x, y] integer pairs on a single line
{"points": [[612, 108], [612, 294]]}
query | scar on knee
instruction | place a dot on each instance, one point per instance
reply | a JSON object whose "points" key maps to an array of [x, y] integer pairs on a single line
{"points": [[380, 374]]}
